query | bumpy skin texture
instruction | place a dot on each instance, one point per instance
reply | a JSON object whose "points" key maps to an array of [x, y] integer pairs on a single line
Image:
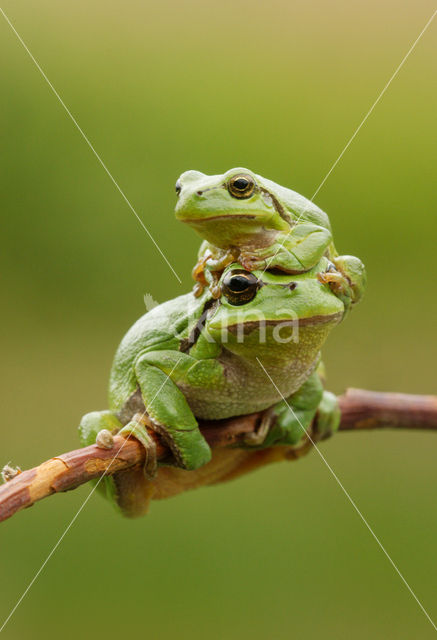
{"points": [[192, 358], [267, 227]]}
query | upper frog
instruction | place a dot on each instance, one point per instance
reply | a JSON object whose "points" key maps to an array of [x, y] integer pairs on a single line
{"points": [[243, 216], [242, 209]]}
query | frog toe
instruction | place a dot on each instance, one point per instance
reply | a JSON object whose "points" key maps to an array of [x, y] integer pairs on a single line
{"points": [[137, 428], [258, 438], [328, 416], [189, 448]]}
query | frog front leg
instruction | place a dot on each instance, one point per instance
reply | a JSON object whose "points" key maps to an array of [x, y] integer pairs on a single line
{"points": [[293, 252], [289, 421], [157, 373], [301, 426], [198, 271], [214, 260]]}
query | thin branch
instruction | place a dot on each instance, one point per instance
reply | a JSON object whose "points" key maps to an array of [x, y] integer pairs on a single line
{"points": [[360, 410]]}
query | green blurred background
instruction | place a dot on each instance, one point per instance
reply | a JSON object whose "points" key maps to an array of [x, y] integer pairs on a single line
{"points": [[161, 87]]}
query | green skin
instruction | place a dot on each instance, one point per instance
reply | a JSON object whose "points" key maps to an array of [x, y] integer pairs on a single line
{"points": [[180, 369], [271, 228]]}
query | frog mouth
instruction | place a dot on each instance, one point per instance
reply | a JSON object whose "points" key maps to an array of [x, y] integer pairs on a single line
{"points": [[224, 216], [317, 320]]}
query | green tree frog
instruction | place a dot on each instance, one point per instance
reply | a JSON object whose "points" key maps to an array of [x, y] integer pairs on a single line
{"points": [[200, 357], [242, 216]]}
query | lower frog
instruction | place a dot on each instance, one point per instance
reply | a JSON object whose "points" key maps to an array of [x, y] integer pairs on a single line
{"points": [[246, 218], [256, 348]]}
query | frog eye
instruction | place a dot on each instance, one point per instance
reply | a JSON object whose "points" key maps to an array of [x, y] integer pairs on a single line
{"points": [[239, 286], [178, 187], [241, 186]]}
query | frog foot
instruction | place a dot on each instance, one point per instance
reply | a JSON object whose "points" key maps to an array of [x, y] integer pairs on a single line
{"points": [[256, 438], [198, 274], [218, 264], [346, 277], [137, 428], [250, 263], [328, 416], [198, 289], [215, 290], [333, 278], [214, 286], [338, 283]]}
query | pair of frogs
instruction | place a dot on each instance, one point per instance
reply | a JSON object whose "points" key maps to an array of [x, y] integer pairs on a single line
{"points": [[270, 286]]}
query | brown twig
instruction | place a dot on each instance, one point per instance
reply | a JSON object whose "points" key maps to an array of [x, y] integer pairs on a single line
{"points": [[359, 410], [362, 409]]}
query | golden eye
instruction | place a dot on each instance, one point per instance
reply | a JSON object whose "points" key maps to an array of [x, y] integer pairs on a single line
{"points": [[239, 286], [241, 186]]}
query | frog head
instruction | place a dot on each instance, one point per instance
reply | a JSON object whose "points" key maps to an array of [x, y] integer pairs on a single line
{"points": [[278, 317], [241, 208]]}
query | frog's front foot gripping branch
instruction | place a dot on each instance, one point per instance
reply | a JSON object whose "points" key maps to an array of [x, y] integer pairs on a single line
{"points": [[309, 415], [101, 427], [138, 428]]}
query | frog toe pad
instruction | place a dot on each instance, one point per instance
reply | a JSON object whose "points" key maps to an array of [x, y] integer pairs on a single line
{"points": [[137, 428]]}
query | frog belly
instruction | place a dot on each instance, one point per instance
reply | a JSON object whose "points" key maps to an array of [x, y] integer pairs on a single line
{"points": [[245, 388]]}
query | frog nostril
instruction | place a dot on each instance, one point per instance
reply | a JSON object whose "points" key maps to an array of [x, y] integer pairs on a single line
{"points": [[292, 286], [199, 193]]}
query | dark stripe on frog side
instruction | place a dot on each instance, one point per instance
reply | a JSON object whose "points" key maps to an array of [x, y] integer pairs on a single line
{"points": [[278, 206], [227, 216], [248, 327], [186, 344]]}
